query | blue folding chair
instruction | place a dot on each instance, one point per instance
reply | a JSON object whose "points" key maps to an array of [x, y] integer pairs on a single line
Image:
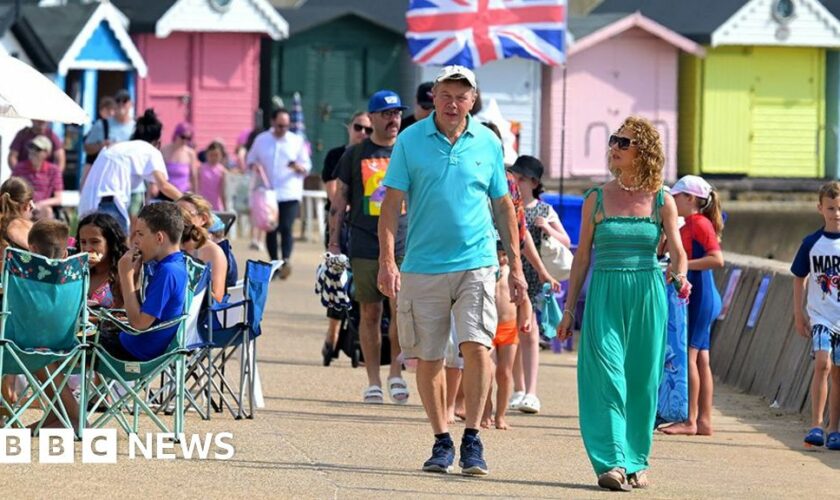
{"points": [[224, 341]]}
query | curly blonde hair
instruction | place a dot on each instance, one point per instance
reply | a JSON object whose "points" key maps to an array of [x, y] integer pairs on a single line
{"points": [[650, 159]]}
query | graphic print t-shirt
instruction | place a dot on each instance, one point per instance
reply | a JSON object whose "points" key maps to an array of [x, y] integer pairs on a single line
{"points": [[818, 259], [366, 195]]}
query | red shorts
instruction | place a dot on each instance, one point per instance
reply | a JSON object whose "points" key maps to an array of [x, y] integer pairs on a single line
{"points": [[506, 334]]}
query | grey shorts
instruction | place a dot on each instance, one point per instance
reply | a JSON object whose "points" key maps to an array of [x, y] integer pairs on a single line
{"points": [[428, 304]]}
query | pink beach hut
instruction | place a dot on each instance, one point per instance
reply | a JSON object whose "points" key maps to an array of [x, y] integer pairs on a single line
{"points": [[618, 65], [203, 58]]}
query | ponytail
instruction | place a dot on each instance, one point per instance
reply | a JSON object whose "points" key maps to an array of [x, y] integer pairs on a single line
{"points": [[15, 194], [711, 210], [193, 233]]}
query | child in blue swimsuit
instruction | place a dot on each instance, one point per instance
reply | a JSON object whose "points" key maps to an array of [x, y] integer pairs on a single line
{"points": [[698, 203]]}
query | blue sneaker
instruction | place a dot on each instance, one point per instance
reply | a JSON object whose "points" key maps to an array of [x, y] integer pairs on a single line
{"points": [[815, 437], [472, 460], [443, 456], [833, 441]]}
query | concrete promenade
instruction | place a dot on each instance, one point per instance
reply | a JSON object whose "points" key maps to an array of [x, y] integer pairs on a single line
{"points": [[315, 439]]}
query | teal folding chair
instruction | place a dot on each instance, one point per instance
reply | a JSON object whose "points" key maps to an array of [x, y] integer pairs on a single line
{"points": [[128, 383], [43, 322]]}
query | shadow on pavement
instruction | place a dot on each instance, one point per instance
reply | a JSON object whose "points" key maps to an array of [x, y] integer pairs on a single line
{"points": [[353, 469]]}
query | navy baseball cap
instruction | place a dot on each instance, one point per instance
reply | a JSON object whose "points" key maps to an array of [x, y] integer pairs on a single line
{"points": [[383, 100]]}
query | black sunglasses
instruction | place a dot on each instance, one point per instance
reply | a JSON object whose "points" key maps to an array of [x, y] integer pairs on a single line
{"points": [[359, 128], [623, 143]]}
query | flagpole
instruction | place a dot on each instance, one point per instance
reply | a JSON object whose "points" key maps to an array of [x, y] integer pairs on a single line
{"points": [[563, 138]]}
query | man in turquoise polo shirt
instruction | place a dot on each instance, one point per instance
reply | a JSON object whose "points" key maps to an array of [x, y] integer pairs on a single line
{"points": [[446, 167]]}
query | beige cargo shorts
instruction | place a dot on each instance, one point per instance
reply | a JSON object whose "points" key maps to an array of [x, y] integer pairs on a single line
{"points": [[428, 304]]}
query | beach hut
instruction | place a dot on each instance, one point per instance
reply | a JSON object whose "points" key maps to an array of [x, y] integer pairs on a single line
{"points": [[755, 105], [338, 53], [203, 61], [618, 65], [87, 51]]}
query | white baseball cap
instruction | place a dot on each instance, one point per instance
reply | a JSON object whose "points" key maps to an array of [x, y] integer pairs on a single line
{"points": [[693, 185], [456, 72]]}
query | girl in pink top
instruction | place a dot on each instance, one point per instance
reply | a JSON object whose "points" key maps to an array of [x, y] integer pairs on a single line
{"points": [[211, 176]]}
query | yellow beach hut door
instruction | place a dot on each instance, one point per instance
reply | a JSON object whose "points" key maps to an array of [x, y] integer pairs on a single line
{"points": [[763, 112], [787, 110]]}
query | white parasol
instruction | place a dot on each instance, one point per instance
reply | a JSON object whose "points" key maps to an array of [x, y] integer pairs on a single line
{"points": [[26, 93]]}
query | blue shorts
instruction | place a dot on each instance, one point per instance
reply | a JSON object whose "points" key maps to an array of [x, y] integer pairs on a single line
{"points": [[823, 339]]}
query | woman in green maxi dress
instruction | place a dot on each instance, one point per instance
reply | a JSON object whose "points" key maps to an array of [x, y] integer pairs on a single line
{"points": [[622, 344]]}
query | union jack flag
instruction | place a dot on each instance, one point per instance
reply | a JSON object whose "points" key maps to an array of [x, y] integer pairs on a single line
{"points": [[474, 32]]}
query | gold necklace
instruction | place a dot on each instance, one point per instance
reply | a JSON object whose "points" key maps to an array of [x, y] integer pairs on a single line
{"points": [[626, 188]]}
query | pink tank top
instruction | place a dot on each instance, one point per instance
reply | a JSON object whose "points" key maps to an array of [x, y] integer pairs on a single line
{"points": [[210, 178], [179, 175]]}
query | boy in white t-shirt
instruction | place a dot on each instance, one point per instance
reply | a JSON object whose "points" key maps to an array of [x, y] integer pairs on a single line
{"points": [[816, 268]]}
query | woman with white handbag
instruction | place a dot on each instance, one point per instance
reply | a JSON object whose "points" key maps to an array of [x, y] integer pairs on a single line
{"points": [[549, 236]]}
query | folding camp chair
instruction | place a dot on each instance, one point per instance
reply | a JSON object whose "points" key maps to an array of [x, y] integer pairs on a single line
{"points": [[226, 340], [44, 313], [134, 378], [162, 399], [228, 219]]}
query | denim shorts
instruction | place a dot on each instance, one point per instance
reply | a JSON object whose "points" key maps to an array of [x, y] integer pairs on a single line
{"points": [[823, 339]]}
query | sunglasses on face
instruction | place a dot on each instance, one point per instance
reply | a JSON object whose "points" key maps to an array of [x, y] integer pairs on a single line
{"points": [[122, 100], [623, 143], [186, 137], [358, 128]]}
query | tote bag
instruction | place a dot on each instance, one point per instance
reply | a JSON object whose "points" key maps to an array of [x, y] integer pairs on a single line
{"points": [[263, 203]]}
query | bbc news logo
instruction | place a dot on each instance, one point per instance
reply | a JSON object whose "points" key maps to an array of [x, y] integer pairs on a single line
{"points": [[99, 446]]}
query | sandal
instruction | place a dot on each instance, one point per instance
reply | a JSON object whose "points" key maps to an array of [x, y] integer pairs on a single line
{"points": [[373, 395], [614, 480], [833, 441], [639, 479], [398, 390], [815, 437]]}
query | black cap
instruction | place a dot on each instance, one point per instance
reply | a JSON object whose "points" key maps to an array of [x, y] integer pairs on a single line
{"points": [[528, 166], [424, 95], [122, 96]]}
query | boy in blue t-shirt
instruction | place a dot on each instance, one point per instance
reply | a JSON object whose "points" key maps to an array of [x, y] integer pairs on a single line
{"points": [[156, 242], [817, 268]]}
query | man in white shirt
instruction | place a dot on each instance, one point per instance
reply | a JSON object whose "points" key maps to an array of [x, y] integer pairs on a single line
{"points": [[284, 157], [119, 168]]}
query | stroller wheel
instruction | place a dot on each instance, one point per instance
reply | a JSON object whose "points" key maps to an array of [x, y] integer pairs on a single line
{"points": [[327, 353], [354, 359]]}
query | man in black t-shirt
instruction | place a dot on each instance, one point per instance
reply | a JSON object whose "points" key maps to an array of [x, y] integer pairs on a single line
{"points": [[360, 172], [423, 106]]}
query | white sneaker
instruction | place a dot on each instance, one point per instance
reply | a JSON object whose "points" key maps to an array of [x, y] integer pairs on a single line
{"points": [[530, 404], [516, 400]]}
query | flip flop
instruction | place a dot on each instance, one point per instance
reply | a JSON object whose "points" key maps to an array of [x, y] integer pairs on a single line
{"points": [[639, 480], [398, 390], [815, 437], [373, 395], [614, 480], [833, 441]]}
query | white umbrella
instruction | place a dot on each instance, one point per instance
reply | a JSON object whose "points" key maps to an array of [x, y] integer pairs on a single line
{"points": [[26, 93]]}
